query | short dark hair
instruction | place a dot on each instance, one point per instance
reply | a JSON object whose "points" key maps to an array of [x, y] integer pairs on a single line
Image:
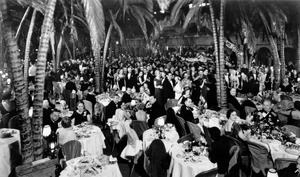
{"points": [[66, 122], [229, 113]]}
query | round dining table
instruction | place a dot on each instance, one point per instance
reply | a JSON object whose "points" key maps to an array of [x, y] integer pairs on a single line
{"points": [[91, 139], [91, 166], [187, 164], [8, 137]]}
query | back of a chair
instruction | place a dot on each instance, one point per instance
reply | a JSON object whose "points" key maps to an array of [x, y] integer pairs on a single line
{"points": [[281, 163], [4, 121], [249, 110], [139, 127], [182, 131], [293, 129], [260, 157], [209, 173], [195, 130], [88, 106], [171, 103], [14, 123], [189, 137], [157, 153], [71, 149]]}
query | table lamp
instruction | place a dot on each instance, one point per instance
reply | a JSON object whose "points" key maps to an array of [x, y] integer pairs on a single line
{"points": [[272, 173], [46, 130]]}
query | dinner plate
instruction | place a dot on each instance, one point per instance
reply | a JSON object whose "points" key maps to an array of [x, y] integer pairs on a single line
{"points": [[266, 141], [180, 156], [292, 151]]}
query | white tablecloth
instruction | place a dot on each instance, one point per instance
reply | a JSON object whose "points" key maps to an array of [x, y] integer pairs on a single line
{"points": [[106, 169], [276, 149], [150, 134], [5, 166], [92, 139], [182, 167]]}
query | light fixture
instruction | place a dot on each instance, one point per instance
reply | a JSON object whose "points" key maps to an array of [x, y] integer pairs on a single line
{"points": [[272, 173], [46, 130]]}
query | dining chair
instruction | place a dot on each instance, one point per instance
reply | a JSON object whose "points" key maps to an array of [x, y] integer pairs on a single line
{"points": [[171, 103], [261, 160], [281, 163], [195, 130], [4, 121], [182, 131], [189, 137], [88, 106], [71, 149], [157, 152], [293, 129], [139, 127], [14, 123], [249, 110], [209, 173]]}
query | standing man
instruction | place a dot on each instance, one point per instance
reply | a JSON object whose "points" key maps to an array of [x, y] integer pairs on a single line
{"points": [[32, 72]]}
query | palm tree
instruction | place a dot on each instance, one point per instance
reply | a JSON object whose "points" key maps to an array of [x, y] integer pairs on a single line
{"points": [[222, 58], [37, 120], [19, 86], [140, 10], [196, 15], [95, 18], [27, 49]]}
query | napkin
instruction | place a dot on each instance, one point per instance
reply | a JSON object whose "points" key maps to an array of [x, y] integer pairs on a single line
{"points": [[112, 159]]}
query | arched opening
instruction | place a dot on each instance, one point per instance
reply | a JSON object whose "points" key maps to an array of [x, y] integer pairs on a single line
{"points": [[264, 57]]}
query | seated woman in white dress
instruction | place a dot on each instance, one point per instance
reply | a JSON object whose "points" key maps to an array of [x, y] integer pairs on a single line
{"points": [[65, 133], [141, 115], [122, 113], [134, 145]]}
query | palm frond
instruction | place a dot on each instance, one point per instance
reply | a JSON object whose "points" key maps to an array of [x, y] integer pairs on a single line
{"points": [[116, 26], [138, 15], [176, 10], [148, 15], [39, 5], [95, 19], [193, 12]]}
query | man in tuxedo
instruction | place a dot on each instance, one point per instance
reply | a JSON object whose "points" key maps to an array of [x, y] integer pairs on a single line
{"points": [[130, 79], [155, 110], [186, 110], [167, 90], [253, 83], [148, 77], [111, 108], [126, 98], [268, 116]]}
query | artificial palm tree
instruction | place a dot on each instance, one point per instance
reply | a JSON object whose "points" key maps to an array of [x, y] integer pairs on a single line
{"points": [[95, 18], [19, 86], [27, 46], [37, 121], [139, 10]]}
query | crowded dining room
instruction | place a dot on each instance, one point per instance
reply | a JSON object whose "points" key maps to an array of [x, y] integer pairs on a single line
{"points": [[150, 88]]}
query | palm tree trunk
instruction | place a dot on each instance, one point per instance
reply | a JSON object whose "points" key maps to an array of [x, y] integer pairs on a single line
{"points": [[276, 60], [215, 37], [52, 44], [22, 21], [58, 51], [106, 44], [72, 29], [40, 80], [68, 49], [282, 58], [298, 49], [222, 57], [19, 85], [27, 48]]}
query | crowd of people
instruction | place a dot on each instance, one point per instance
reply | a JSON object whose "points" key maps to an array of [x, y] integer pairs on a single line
{"points": [[144, 88]]}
